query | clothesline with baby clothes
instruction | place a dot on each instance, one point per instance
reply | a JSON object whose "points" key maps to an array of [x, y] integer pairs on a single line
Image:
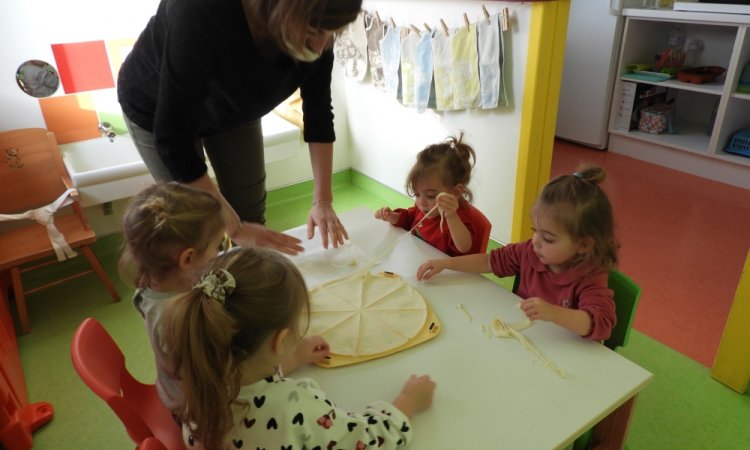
{"points": [[437, 68]]}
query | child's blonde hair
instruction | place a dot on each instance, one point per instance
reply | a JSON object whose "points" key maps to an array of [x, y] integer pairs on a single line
{"points": [[212, 329], [451, 160], [160, 222], [579, 204]]}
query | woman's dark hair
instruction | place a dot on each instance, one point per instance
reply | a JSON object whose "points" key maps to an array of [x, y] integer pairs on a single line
{"points": [[288, 21]]}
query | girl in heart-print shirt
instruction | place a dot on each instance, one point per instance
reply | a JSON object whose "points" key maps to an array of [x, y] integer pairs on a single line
{"points": [[228, 338]]}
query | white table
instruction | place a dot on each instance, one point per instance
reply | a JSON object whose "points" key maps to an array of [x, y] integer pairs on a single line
{"points": [[491, 393]]}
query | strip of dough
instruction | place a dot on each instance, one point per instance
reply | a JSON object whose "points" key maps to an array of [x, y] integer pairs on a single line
{"points": [[500, 329], [463, 309]]}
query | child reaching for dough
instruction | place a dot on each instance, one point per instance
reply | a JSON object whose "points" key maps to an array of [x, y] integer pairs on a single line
{"points": [[564, 267], [171, 232], [227, 337], [440, 177]]}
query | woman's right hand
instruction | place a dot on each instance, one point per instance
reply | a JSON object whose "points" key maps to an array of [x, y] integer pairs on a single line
{"points": [[387, 215], [253, 234], [416, 395], [429, 269]]}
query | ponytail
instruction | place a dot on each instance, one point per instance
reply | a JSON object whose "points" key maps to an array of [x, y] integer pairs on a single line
{"points": [[244, 297]]}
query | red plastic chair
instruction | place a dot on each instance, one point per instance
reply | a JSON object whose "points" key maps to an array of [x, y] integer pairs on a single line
{"points": [[151, 444], [484, 226], [101, 365]]}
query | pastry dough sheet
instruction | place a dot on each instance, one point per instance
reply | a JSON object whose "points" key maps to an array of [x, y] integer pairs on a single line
{"points": [[366, 316]]}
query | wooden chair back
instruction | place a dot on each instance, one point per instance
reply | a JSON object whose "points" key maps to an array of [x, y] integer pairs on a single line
{"points": [[33, 173]]}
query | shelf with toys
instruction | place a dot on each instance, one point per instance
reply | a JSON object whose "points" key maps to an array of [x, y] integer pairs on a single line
{"points": [[680, 98]]}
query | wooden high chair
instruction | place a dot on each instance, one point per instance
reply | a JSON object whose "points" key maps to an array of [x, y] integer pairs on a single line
{"points": [[34, 185]]}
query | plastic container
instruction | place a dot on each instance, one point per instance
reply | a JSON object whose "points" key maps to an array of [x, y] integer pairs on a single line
{"points": [[740, 143], [656, 119], [698, 75]]}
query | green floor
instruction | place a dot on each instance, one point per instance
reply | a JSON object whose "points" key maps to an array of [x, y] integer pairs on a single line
{"points": [[683, 408]]}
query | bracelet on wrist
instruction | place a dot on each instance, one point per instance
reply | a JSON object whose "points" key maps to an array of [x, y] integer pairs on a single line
{"points": [[323, 202]]}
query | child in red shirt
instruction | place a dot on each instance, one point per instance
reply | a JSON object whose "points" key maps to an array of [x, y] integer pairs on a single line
{"points": [[440, 177], [564, 266]]}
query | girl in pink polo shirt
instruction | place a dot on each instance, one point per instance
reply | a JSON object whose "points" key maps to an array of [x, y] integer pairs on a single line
{"points": [[564, 267]]}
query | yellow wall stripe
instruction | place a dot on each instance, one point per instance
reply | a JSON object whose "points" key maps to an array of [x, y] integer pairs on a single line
{"points": [[732, 363], [546, 49]]}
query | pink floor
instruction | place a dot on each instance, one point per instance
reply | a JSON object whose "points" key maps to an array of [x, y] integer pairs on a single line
{"points": [[684, 241]]}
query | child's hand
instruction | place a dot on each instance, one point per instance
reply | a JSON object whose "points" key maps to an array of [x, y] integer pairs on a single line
{"points": [[448, 203], [537, 309], [429, 269], [416, 395], [312, 350], [388, 215]]}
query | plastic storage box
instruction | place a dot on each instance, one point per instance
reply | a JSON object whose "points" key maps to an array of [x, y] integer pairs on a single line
{"points": [[740, 143], [656, 118]]}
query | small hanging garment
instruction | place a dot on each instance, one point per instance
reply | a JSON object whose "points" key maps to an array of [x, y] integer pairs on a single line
{"points": [[442, 62], [465, 67], [374, 29], [390, 52], [490, 47], [408, 56], [424, 90], [350, 49]]}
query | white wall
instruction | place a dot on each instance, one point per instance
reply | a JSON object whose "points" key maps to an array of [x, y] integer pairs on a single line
{"points": [[385, 136], [375, 135], [29, 27]]}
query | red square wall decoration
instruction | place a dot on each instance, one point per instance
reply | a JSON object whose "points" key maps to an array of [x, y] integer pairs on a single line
{"points": [[83, 66]]}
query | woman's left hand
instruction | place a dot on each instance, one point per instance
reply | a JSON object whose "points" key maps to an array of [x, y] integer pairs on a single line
{"points": [[324, 217]]}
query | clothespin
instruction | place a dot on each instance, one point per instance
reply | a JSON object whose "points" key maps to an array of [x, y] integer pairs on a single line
{"points": [[393, 22], [416, 30], [486, 13], [506, 19], [377, 14], [427, 27], [466, 21], [444, 26]]}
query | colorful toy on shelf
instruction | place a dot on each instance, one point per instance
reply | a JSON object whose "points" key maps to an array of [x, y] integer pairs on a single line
{"points": [[744, 84], [698, 75]]}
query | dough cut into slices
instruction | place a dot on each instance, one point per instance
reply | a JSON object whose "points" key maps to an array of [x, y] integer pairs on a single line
{"points": [[367, 314]]}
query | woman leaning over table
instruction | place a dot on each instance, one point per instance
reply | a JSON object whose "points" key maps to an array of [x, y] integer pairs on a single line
{"points": [[201, 76]]}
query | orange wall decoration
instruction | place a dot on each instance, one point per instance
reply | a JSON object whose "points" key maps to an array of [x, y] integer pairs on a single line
{"points": [[71, 117], [83, 66]]}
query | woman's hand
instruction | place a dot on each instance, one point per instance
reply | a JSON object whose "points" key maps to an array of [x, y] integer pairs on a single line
{"points": [[387, 215], [416, 395], [324, 217], [429, 269], [250, 234]]}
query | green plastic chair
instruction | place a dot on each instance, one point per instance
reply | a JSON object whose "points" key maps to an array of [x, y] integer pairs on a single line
{"points": [[626, 295]]}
